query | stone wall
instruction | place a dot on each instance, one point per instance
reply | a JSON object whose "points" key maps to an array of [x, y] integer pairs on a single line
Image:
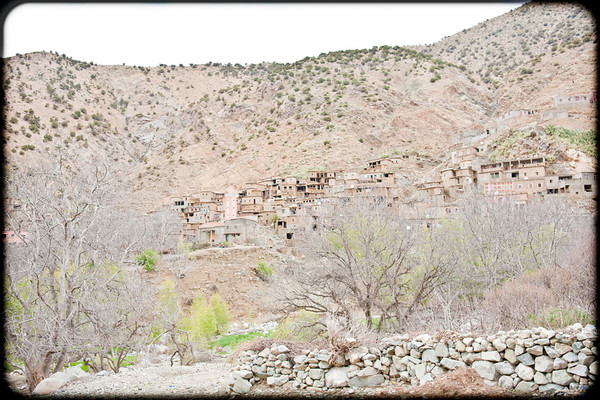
{"points": [[534, 360]]}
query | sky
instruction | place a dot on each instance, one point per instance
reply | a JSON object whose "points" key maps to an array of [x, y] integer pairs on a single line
{"points": [[149, 34]]}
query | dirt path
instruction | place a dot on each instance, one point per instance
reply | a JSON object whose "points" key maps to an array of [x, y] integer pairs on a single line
{"points": [[205, 378]]}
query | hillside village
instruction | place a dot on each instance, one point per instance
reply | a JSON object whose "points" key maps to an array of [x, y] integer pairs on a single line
{"points": [[289, 203]]}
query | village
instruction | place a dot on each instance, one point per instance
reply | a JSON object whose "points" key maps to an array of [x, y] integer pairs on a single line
{"points": [[289, 204]]}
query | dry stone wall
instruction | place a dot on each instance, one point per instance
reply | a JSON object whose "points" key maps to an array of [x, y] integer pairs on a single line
{"points": [[526, 361]]}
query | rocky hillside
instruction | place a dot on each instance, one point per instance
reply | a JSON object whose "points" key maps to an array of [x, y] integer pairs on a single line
{"points": [[175, 129]]}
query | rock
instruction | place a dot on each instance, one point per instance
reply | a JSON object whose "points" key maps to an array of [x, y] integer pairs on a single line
{"points": [[420, 370], [561, 377], [300, 359], [524, 372], [336, 377], [593, 368], [440, 350], [277, 380], [58, 380], [499, 345], [368, 371], [49, 385], [241, 386], [540, 378], [510, 356], [570, 357], [549, 388], [585, 359], [526, 359], [430, 356], [559, 363], [426, 378], [562, 348], [551, 352], [491, 356], [536, 350], [504, 368], [544, 364], [451, 364], [505, 382], [315, 373], [485, 369], [526, 387], [580, 370], [366, 381]]}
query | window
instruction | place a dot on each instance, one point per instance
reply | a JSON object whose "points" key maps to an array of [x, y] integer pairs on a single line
{"points": [[495, 174], [587, 188]]}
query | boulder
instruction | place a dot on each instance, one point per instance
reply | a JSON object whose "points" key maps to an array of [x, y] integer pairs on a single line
{"points": [[241, 386], [505, 382], [316, 373], [504, 368], [561, 377], [451, 364], [526, 387], [526, 359], [491, 356], [277, 380], [430, 355], [485, 369], [441, 350], [544, 364], [366, 381], [578, 369], [336, 377], [524, 372], [58, 380]]}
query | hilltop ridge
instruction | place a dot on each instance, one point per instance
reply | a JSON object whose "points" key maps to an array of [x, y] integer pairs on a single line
{"points": [[169, 130]]}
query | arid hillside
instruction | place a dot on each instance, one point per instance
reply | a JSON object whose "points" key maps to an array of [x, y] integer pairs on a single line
{"points": [[175, 129]]}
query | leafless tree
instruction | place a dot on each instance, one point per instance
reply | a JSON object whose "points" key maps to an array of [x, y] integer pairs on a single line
{"points": [[66, 286], [363, 258]]}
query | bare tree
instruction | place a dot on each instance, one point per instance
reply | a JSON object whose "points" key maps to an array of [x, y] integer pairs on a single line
{"points": [[365, 259], [66, 288]]}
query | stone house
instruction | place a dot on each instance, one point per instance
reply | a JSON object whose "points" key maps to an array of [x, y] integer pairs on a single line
{"points": [[240, 230], [210, 232]]}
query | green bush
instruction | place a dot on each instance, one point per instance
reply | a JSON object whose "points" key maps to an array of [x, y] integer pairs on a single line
{"points": [[147, 259], [221, 312], [263, 270]]}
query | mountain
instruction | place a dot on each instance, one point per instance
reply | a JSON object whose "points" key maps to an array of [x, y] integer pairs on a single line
{"points": [[175, 129]]}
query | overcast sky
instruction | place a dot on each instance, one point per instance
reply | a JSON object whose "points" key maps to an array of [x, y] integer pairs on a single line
{"points": [[170, 33]]}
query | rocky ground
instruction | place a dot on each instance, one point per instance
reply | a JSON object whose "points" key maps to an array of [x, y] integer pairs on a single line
{"points": [[212, 379]]}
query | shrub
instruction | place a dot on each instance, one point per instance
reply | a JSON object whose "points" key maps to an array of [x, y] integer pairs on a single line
{"points": [[264, 271], [201, 322], [221, 312], [147, 259]]}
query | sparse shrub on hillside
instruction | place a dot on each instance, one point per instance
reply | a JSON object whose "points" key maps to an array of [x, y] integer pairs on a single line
{"points": [[579, 139], [263, 270], [147, 259]]}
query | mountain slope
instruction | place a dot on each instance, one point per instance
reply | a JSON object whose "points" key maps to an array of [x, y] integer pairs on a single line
{"points": [[172, 130]]}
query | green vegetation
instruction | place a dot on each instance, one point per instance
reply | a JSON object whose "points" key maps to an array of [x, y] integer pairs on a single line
{"points": [[231, 341], [555, 318], [264, 271], [206, 318], [582, 140], [147, 259]]}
